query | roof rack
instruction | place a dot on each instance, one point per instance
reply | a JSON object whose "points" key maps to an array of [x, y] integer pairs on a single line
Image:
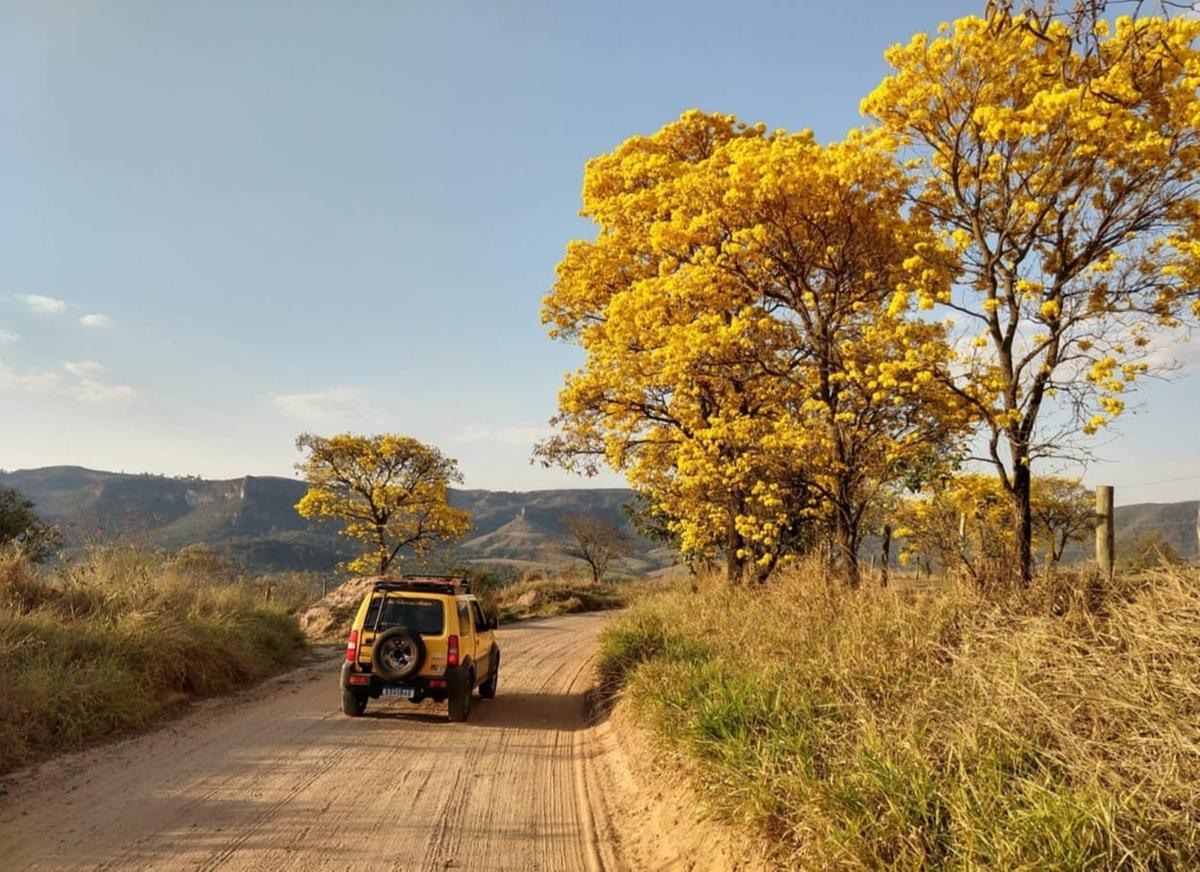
{"points": [[452, 584]]}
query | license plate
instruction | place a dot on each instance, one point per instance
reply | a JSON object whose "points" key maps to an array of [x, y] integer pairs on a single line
{"points": [[402, 692]]}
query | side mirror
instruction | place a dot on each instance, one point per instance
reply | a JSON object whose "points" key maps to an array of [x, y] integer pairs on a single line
{"points": [[493, 623]]}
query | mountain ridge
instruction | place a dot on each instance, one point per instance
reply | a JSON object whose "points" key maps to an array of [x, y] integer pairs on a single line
{"points": [[252, 519]]}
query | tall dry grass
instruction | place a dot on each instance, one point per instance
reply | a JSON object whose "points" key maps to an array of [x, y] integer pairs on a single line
{"points": [[1052, 728], [113, 641]]}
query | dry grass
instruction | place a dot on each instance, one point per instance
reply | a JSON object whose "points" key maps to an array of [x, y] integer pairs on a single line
{"points": [[1055, 728], [119, 638]]}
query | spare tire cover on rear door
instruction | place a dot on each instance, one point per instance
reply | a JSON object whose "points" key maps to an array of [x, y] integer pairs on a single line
{"points": [[397, 653]]}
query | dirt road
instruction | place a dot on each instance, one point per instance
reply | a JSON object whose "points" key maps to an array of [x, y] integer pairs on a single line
{"points": [[280, 779]]}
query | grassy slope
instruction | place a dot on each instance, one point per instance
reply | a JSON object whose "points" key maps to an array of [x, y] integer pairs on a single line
{"points": [[544, 598], [880, 729], [118, 639]]}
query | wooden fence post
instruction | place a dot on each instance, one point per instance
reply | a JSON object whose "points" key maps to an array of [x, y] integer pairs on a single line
{"points": [[886, 557], [1105, 534]]}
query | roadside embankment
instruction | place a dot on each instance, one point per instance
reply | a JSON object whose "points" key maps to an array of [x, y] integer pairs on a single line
{"points": [[328, 619], [119, 638], [1055, 728]]}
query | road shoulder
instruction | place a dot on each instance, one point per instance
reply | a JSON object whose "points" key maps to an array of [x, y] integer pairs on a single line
{"points": [[646, 815]]}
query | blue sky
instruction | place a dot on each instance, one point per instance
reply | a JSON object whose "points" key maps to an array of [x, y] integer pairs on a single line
{"points": [[222, 223]]}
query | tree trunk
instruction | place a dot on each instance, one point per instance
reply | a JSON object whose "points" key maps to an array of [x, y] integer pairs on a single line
{"points": [[1023, 497], [1058, 545], [735, 566], [847, 545], [887, 555], [385, 555]]}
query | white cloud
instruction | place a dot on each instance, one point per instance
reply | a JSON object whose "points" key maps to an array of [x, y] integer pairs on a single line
{"points": [[7, 338], [42, 305], [11, 380], [323, 406], [83, 368], [510, 434], [92, 391], [82, 384], [1174, 352], [97, 320]]}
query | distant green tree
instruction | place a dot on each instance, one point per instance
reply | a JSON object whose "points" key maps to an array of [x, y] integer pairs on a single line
{"points": [[595, 541], [201, 560], [20, 526], [1147, 551]]}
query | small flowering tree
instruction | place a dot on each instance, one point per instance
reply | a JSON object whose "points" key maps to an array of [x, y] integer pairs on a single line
{"points": [[389, 492]]}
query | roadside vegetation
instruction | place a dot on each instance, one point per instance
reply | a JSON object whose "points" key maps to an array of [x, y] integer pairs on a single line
{"points": [[120, 637], [539, 597], [1053, 727]]}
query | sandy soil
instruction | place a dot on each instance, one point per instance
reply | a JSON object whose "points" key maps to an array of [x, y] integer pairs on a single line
{"points": [[277, 778]]}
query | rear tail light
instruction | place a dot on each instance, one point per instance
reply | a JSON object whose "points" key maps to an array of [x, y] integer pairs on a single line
{"points": [[436, 682], [360, 679], [352, 646], [452, 651]]}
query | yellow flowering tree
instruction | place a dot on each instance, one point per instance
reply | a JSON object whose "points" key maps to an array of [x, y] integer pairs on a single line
{"points": [[1059, 159], [963, 521], [745, 309], [966, 519], [1064, 511], [389, 492]]}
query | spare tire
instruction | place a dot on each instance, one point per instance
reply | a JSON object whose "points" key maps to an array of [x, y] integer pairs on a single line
{"points": [[397, 653]]}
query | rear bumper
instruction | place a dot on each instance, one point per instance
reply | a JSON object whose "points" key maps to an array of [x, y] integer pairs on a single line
{"points": [[423, 685]]}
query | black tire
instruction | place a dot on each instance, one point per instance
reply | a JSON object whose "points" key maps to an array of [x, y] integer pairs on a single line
{"points": [[487, 690], [460, 700], [354, 703], [397, 653]]}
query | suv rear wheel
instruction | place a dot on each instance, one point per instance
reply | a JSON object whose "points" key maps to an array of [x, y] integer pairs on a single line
{"points": [[460, 699], [353, 703]]}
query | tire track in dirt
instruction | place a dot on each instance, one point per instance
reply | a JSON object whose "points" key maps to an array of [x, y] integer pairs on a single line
{"points": [[278, 779]]}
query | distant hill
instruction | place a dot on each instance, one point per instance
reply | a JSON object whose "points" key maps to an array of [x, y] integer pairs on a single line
{"points": [[1177, 522], [253, 521]]}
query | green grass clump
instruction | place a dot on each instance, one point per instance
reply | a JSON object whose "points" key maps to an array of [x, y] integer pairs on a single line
{"points": [[119, 638], [891, 729]]}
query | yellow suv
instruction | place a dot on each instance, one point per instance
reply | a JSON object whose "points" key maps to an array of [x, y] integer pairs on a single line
{"points": [[418, 637]]}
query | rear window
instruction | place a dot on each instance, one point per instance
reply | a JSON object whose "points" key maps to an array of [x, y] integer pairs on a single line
{"points": [[423, 616]]}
